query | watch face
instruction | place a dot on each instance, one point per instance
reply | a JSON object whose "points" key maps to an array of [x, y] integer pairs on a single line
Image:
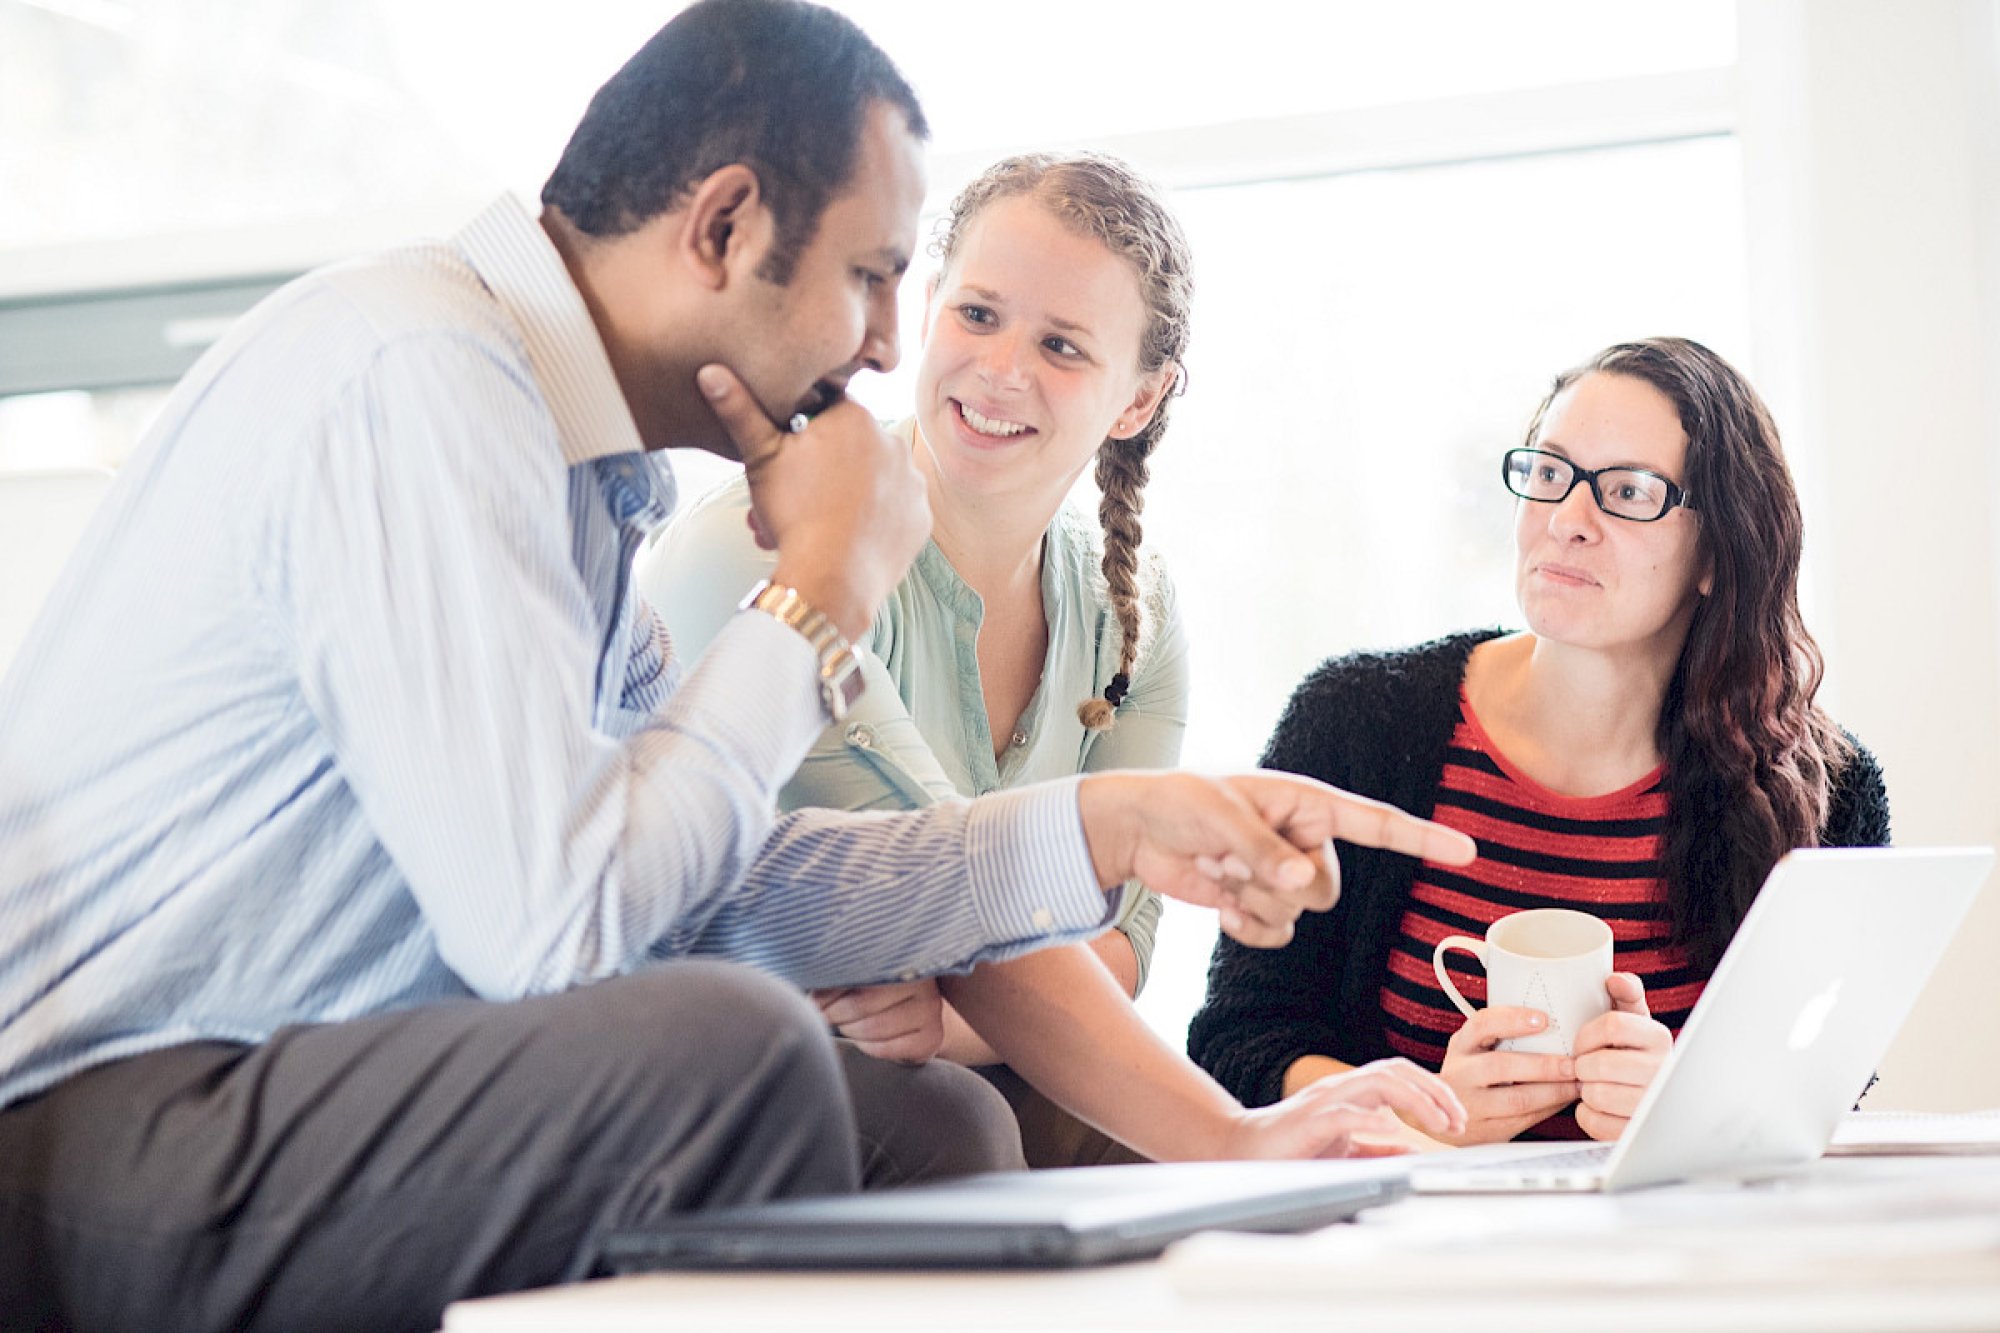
{"points": [[840, 678]]}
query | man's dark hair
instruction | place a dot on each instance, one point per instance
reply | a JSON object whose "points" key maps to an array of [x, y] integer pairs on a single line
{"points": [[779, 86]]}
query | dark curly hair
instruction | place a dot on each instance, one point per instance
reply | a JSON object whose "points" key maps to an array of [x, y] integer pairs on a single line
{"points": [[1750, 756]]}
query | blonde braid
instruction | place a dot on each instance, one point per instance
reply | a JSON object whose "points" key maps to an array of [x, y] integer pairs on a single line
{"points": [[1123, 469]]}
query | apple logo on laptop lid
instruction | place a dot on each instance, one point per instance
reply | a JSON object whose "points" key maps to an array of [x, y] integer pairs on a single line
{"points": [[1812, 1018]]}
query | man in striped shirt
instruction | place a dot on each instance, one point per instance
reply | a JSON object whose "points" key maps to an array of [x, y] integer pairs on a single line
{"points": [[347, 793]]}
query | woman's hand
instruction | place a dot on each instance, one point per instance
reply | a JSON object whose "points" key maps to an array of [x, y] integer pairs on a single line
{"points": [[1504, 1092], [1362, 1113], [903, 1022], [1617, 1056]]}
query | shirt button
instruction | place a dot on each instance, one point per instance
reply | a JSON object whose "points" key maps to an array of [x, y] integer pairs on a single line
{"points": [[1043, 918], [1019, 738], [861, 735], [907, 976]]}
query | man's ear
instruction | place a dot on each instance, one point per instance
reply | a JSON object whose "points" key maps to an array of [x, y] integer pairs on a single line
{"points": [[1152, 388], [721, 223]]}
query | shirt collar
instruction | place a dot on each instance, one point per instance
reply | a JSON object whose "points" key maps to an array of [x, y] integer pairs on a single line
{"points": [[522, 268]]}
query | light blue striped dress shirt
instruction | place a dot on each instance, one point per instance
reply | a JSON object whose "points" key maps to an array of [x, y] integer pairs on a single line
{"points": [[344, 703]]}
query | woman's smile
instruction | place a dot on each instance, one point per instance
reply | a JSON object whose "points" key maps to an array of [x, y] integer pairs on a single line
{"points": [[988, 426]]}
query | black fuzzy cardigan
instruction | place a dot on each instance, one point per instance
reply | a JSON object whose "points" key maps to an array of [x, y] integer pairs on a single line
{"points": [[1378, 724]]}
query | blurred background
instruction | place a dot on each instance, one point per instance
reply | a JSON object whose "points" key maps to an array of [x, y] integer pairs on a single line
{"points": [[1406, 218]]}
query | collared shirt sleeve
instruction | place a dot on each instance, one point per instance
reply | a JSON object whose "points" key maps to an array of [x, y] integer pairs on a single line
{"points": [[898, 896], [695, 571], [447, 647], [936, 890]]}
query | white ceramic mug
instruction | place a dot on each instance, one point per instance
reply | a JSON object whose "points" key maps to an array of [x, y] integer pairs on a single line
{"points": [[1552, 959]]}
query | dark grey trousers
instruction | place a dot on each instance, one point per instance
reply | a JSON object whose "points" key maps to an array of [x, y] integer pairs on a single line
{"points": [[364, 1174]]}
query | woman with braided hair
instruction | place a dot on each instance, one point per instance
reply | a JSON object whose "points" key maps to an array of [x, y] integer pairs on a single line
{"points": [[1026, 643]]}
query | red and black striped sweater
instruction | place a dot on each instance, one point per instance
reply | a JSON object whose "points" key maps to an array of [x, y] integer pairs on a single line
{"points": [[1383, 725]]}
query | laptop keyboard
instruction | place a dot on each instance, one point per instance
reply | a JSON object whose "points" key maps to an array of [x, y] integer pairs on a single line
{"points": [[1587, 1158], [1580, 1168]]}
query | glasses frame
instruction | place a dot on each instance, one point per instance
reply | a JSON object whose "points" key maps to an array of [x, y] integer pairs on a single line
{"points": [[1676, 497]]}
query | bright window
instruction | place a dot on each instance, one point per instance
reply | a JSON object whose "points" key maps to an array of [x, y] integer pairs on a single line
{"points": [[1365, 347], [1366, 341]]}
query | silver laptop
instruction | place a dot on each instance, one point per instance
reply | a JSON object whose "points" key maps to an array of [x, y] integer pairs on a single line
{"points": [[1820, 976], [1014, 1219]]}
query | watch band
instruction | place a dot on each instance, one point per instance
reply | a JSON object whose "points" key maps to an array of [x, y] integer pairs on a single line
{"points": [[840, 678]]}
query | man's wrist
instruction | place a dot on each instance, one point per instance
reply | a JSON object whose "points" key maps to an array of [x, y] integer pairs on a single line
{"points": [[1098, 802], [832, 597], [838, 661]]}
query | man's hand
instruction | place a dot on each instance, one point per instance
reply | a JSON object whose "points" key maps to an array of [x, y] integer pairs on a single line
{"points": [[904, 1023], [841, 502], [1360, 1113], [1256, 847], [1504, 1092], [1617, 1055]]}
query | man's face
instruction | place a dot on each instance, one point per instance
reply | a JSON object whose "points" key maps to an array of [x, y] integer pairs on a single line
{"points": [[796, 346]]}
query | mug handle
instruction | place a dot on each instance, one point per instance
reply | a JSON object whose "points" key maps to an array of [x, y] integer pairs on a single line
{"points": [[1471, 946]]}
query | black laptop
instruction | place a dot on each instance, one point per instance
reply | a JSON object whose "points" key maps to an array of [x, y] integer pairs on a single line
{"points": [[1015, 1219]]}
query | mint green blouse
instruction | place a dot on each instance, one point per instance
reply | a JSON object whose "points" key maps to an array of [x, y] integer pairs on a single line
{"points": [[918, 734]]}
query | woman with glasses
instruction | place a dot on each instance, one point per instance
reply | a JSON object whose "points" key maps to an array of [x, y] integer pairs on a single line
{"points": [[1028, 643], [1645, 750]]}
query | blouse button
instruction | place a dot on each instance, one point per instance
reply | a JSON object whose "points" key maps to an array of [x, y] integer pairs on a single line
{"points": [[861, 735], [1019, 738]]}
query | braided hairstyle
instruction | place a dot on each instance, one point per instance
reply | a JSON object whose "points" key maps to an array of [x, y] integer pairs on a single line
{"points": [[1098, 196]]}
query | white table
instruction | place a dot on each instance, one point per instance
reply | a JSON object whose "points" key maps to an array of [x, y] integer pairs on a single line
{"points": [[1857, 1243]]}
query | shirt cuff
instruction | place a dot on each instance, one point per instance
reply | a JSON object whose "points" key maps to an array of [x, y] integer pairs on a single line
{"points": [[758, 686], [1031, 872]]}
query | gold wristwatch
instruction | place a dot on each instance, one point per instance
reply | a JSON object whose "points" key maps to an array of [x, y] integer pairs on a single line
{"points": [[840, 678]]}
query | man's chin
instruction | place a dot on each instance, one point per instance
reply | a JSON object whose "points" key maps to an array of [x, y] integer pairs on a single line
{"points": [[701, 430]]}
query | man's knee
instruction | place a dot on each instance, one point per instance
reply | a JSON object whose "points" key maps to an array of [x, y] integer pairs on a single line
{"points": [[705, 1084], [700, 1001], [927, 1122], [695, 1026]]}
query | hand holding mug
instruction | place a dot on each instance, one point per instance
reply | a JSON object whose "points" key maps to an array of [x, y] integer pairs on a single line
{"points": [[1504, 1091], [1511, 1062], [1617, 1056], [1551, 959]]}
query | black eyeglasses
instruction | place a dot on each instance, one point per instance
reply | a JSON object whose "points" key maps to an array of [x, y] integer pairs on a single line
{"points": [[1622, 492]]}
